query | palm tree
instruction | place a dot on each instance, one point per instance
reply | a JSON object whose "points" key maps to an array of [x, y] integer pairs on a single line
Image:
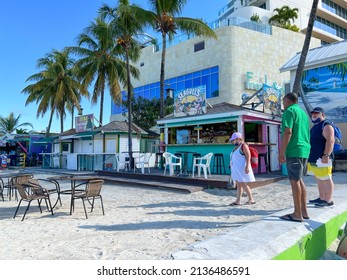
{"points": [[126, 25], [56, 87], [297, 87], [99, 62], [164, 17], [11, 123], [284, 16]]}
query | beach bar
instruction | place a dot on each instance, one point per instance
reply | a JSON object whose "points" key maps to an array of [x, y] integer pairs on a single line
{"points": [[210, 131]]}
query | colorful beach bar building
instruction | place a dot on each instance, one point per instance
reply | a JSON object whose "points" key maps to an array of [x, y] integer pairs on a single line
{"points": [[209, 131]]}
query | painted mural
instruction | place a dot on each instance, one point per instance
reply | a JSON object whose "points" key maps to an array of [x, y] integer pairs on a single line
{"points": [[191, 101], [272, 99], [326, 87]]}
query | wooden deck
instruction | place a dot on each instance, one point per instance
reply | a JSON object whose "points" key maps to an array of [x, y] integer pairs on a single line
{"points": [[182, 183]]}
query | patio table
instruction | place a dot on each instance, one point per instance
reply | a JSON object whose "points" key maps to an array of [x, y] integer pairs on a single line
{"points": [[83, 179]]}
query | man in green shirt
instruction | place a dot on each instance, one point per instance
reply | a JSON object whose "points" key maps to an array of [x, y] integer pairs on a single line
{"points": [[295, 149]]}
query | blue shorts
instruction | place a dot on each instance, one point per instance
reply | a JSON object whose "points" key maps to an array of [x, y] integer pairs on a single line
{"points": [[296, 167]]}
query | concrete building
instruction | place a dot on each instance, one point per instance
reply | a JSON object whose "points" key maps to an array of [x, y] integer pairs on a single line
{"points": [[245, 56], [330, 24]]}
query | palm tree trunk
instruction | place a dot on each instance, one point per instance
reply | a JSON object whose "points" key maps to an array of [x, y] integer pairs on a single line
{"points": [[297, 88], [102, 95], [162, 81], [61, 121], [130, 138], [162, 76], [50, 123]]}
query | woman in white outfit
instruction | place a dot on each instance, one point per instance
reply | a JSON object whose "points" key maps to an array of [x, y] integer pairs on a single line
{"points": [[241, 170]]}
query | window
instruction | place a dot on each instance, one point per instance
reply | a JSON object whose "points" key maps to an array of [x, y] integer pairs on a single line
{"points": [[208, 77], [199, 46], [253, 132]]}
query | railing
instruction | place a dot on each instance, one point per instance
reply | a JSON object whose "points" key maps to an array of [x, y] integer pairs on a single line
{"points": [[236, 21], [91, 162], [53, 160]]}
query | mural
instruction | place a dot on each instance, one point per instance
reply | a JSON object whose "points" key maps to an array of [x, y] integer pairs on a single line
{"points": [[326, 87], [272, 99], [190, 101]]}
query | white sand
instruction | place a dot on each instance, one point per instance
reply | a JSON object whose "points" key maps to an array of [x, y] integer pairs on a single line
{"points": [[140, 223]]}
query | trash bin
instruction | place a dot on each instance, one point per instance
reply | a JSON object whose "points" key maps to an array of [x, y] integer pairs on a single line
{"points": [[284, 169]]}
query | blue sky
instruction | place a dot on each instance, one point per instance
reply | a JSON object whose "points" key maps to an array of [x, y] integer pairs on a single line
{"points": [[30, 29]]}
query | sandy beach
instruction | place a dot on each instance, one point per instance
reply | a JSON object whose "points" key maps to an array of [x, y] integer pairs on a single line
{"points": [[140, 223]]}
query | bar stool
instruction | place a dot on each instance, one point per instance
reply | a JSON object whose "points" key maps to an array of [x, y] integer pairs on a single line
{"points": [[263, 156], [218, 163], [159, 160]]}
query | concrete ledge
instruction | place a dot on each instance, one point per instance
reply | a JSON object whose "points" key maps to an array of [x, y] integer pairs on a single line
{"points": [[273, 238]]}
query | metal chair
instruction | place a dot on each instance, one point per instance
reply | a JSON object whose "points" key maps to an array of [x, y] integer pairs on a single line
{"points": [[92, 191], [204, 164], [51, 186], [171, 161], [29, 193], [19, 179], [2, 189]]}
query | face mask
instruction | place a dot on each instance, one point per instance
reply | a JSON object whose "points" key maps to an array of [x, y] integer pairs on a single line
{"points": [[236, 143], [316, 120]]}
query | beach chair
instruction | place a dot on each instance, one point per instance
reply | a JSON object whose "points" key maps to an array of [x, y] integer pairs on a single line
{"points": [[92, 192], [18, 179], [171, 161], [142, 161], [123, 161], [51, 186], [29, 193], [204, 164]]}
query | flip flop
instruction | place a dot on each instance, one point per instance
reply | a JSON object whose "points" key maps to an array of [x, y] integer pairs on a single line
{"points": [[290, 218], [234, 204], [250, 202]]}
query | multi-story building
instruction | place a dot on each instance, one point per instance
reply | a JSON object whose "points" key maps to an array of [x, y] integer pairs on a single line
{"points": [[330, 24], [245, 56]]}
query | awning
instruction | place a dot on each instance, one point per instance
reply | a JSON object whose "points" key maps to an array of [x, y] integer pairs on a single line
{"points": [[83, 135], [44, 141]]}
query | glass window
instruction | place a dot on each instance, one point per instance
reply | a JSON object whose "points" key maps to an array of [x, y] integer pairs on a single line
{"points": [[180, 86], [208, 77], [188, 76], [146, 94], [206, 71], [214, 69], [196, 74], [199, 46], [253, 132], [196, 82], [188, 83], [214, 85], [180, 78]]}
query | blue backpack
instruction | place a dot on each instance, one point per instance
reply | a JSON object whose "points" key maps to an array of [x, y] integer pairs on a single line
{"points": [[337, 133]]}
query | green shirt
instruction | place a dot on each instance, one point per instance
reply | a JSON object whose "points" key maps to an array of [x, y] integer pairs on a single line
{"points": [[299, 144]]}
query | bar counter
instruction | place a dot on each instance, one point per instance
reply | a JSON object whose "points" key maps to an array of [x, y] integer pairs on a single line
{"points": [[222, 148]]}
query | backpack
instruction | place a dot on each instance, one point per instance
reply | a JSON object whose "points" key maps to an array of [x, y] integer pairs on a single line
{"points": [[337, 134], [254, 157]]}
